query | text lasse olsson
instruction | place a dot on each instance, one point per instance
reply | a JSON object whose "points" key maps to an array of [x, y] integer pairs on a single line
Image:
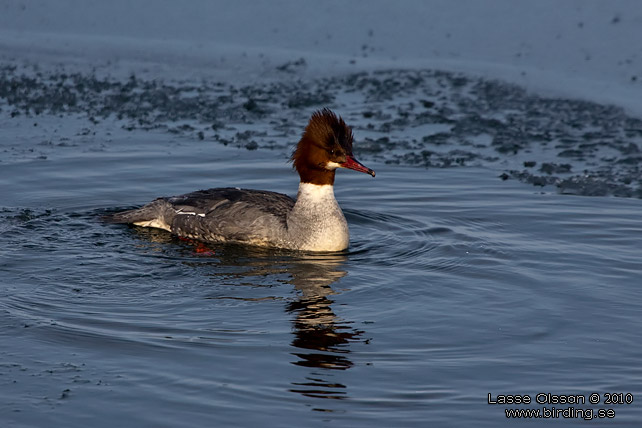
{"points": [[541, 398]]}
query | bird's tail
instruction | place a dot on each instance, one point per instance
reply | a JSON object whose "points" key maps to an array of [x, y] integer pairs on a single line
{"points": [[158, 213]]}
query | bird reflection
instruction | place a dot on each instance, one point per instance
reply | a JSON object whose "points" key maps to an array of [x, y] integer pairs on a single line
{"points": [[321, 338], [316, 327]]}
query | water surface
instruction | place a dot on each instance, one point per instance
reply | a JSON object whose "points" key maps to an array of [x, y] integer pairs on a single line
{"points": [[456, 285]]}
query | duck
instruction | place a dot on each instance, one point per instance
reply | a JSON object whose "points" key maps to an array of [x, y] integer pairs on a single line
{"points": [[312, 222]]}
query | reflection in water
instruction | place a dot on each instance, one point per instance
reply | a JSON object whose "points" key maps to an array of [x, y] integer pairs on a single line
{"points": [[317, 328], [322, 338]]}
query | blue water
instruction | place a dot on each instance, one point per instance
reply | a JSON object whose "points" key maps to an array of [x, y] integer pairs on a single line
{"points": [[456, 285]]}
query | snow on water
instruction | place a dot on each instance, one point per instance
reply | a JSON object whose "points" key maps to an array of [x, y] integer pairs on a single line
{"points": [[499, 84], [415, 118], [587, 49]]}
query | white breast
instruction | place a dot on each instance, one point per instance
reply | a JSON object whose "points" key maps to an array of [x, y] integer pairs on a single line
{"points": [[316, 222]]}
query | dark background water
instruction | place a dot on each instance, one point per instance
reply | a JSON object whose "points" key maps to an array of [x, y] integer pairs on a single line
{"points": [[457, 284]]}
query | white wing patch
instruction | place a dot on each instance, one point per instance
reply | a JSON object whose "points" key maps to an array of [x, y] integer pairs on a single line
{"points": [[189, 213]]}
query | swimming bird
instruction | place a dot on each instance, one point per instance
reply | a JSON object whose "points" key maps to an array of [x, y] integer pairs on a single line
{"points": [[312, 222]]}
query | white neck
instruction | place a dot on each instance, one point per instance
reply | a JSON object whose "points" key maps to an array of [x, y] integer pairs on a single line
{"points": [[316, 221], [319, 193]]}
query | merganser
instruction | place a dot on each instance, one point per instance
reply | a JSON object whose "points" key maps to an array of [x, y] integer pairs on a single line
{"points": [[314, 222]]}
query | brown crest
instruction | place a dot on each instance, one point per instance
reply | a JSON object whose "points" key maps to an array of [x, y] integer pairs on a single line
{"points": [[326, 138]]}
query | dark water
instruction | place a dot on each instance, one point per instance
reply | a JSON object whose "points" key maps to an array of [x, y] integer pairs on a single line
{"points": [[456, 285]]}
